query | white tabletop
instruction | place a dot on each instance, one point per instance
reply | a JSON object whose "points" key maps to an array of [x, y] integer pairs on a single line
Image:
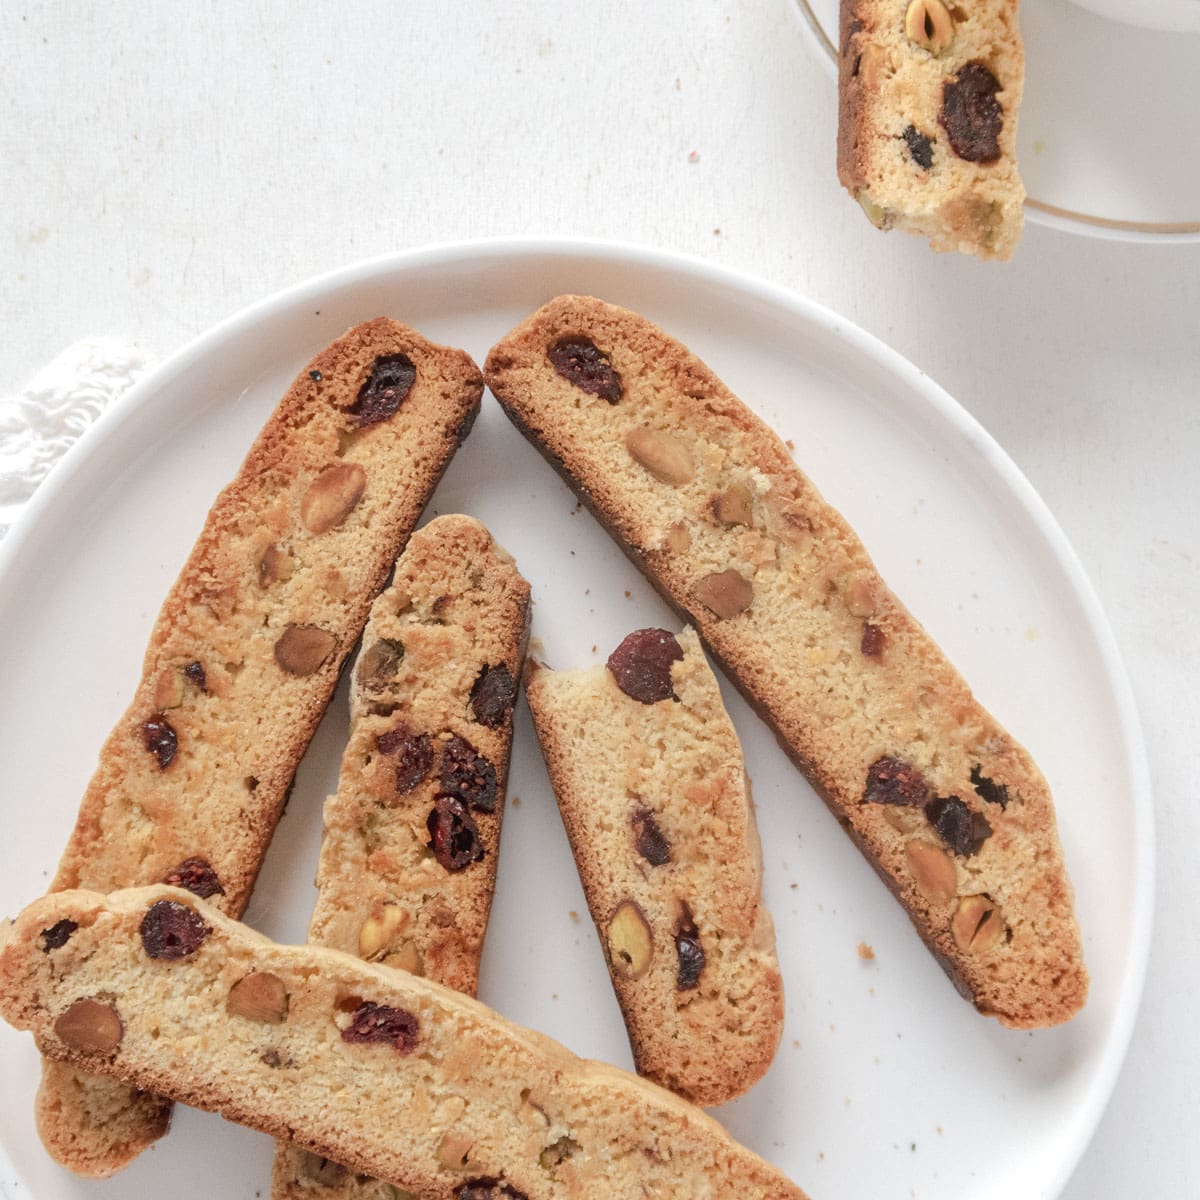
{"points": [[164, 165]]}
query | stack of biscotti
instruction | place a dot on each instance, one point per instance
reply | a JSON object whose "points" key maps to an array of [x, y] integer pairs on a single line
{"points": [[927, 121], [245, 653], [394, 1075], [408, 858], [648, 772], [947, 806]]}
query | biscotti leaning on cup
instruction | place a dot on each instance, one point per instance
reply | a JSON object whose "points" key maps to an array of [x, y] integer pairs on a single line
{"points": [[393, 1075], [927, 119], [947, 806], [245, 653], [407, 868], [650, 782]]}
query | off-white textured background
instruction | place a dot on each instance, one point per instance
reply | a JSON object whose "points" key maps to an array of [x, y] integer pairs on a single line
{"points": [[162, 165]]}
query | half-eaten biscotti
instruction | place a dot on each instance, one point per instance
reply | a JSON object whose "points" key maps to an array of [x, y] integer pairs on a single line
{"points": [[412, 835], [703, 496], [245, 653], [927, 119], [648, 772], [362, 1064]]}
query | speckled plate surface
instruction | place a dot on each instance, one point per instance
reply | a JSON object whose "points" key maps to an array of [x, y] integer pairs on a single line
{"points": [[886, 1083], [1107, 135]]}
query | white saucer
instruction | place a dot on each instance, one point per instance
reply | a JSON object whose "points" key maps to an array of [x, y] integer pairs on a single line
{"points": [[1107, 141]]}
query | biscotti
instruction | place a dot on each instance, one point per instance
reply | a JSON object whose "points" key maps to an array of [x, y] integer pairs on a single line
{"points": [[245, 653], [927, 119], [950, 810], [362, 1064], [648, 772], [408, 858]]}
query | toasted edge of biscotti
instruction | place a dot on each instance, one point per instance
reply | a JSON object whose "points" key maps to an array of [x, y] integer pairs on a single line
{"points": [[706, 500], [656, 805], [361, 1064]]}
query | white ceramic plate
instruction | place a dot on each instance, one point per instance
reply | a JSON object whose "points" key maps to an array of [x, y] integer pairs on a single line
{"points": [[886, 1083], [1107, 134]]}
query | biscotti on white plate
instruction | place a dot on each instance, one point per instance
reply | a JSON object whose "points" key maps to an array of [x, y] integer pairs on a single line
{"points": [[362, 1064], [650, 782], [927, 121], [408, 859], [950, 810], [245, 653]]}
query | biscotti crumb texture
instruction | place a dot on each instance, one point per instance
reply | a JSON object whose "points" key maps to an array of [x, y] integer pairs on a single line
{"points": [[412, 836], [652, 788], [361, 1064], [246, 650], [929, 93], [947, 806]]}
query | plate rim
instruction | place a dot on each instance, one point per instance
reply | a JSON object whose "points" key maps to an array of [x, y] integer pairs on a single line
{"points": [[1050, 215], [54, 491]]}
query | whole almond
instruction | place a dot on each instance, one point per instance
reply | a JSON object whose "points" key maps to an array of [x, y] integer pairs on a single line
{"points": [[977, 925], [934, 871], [662, 454], [331, 497], [726, 593], [90, 1027], [260, 996], [303, 649]]}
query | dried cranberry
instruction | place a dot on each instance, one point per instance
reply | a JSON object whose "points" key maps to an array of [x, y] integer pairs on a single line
{"points": [[160, 739], [372, 1022], [453, 834], [989, 789], [392, 378], [58, 934], [893, 781], [581, 362], [961, 829], [971, 115], [689, 950], [172, 930], [873, 640], [489, 1189], [492, 695], [194, 673], [651, 842], [641, 664], [468, 776], [920, 147], [197, 876], [414, 756]]}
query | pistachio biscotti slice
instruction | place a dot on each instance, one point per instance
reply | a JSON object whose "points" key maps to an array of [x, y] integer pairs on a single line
{"points": [[362, 1064], [245, 653], [950, 810], [408, 859], [648, 772], [927, 120]]}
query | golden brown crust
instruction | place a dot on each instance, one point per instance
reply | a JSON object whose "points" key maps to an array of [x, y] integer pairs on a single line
{"points": [[821, 648], [457, 608], [455, 1094], [247, 648], [894, 154], [656, 805]]}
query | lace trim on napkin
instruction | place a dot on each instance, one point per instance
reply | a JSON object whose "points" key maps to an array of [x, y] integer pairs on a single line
{"points": [[45, 419]]}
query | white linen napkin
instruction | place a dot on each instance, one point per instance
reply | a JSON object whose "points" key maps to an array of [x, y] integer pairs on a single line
{"points": [[46, 417]]}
